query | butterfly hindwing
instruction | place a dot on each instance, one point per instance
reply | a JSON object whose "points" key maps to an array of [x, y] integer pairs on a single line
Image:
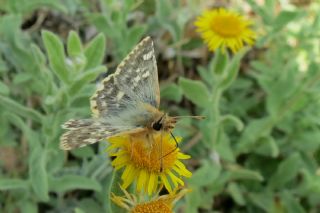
{"points": [[88, 131]]}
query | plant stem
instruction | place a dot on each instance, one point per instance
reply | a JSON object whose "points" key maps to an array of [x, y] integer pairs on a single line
{"points": [[216, 95]]}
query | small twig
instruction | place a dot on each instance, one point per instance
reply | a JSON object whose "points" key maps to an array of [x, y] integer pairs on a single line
{"points": [[42, 15], [194, 140]]}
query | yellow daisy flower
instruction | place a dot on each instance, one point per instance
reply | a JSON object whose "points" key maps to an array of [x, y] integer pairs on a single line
{"points": [[220, 28], [149, 162], [163, 204]]}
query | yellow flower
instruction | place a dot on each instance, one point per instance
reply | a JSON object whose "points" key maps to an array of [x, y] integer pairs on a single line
{"points": [[149, 162], [157, 204], [220, 28]]}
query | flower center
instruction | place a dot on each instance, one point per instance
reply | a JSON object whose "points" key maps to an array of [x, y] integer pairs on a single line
{"points": [[156, 155], [152, 207], [227, 25]]}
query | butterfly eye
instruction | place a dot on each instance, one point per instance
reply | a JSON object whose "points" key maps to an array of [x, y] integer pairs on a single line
{"points": [[157, 125]]}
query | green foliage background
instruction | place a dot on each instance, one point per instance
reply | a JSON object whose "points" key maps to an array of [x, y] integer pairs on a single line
{"points": [[258, 150]]}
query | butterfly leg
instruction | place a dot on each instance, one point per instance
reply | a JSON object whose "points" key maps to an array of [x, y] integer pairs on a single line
{"points": [[158, 148], [161, 152], [131, 147], [173, 150], [175, 140], [150, 143]]}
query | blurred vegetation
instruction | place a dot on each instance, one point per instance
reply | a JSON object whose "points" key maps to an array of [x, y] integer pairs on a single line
{"points": [[257, 151]]}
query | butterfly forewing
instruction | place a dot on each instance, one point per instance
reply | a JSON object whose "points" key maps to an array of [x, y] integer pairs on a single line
{"points": [[135, 81], [121, 103]]}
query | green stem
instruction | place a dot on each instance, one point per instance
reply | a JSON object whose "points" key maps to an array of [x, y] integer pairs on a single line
{"points": [[216, 95], [115, 189], [99, 170]]}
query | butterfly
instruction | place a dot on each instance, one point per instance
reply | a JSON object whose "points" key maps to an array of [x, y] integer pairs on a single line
{"points": [[126, 102]]}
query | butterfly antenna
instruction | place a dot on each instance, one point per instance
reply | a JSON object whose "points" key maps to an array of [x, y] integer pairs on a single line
{"points": [[175, 140], [198, 117], [177, 146]]}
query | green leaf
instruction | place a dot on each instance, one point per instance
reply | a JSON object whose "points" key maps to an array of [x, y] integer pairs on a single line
{"points": [[38, 174], [21, 78], [83, 152], [57, 158], [206, 75], [90, 205], [286, 171], [311, 185], [38, 55], [29, 134], [195, 91], [171, 92], [10, 184], [56, 55], [291, 204], [239, 173], [308, 141], [219, 63], [77, 210], [4, 89], [255, 130], [236, 193], [73, 182], [232, 119], [134, 35], [224, 148], [230, 72], [193, 200], [267, 146], [77, 63], [206, 174], [94, 51], [162, 9], [19, 109], [284, 18], [84, 78], [262, 10], [74, 45], [3, 66], [263, 200], [27, 7], [115, 189], [28, 206]]}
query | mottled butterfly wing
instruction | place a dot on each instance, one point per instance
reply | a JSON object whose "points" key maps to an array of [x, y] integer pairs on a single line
{"points": [[88, 131], [134, 82], [122, 102], [82, 132]]}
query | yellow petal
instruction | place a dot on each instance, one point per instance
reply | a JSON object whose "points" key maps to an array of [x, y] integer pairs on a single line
{"points": [[129, 179], [152, 183], [166, 182], [142, 180]]}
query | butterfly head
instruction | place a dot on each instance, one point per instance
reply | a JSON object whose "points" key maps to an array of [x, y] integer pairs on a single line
{"points": [[164, 122]]}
